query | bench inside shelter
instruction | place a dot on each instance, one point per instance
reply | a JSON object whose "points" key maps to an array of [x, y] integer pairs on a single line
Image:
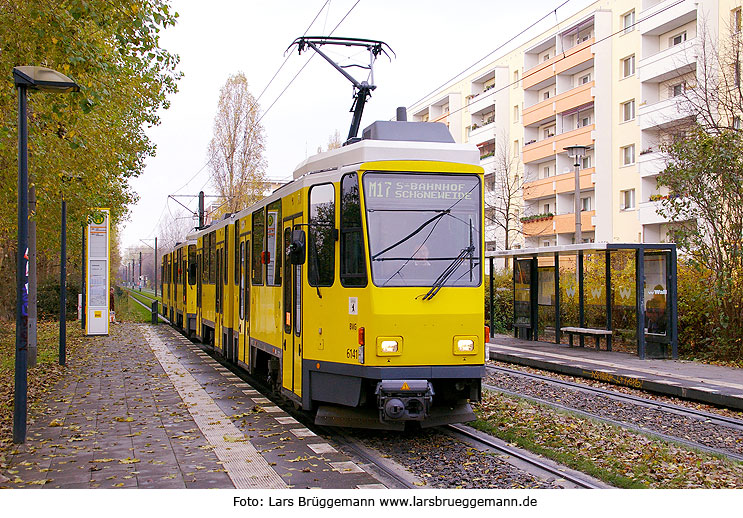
{"points": [[585, 331]]}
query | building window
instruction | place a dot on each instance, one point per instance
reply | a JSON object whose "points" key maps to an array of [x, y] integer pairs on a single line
{"points": [[586, 162], [515, 113], [628, 21], [584, 80], [546, 57], [585, 204], [677, 40], [546, 95], [546, 172], [515, 78], [546, 208], [628, 66], [627, 199], [737, 20], [584, 121], [737, 123], [546, 243], [628, 155], [549, 132], [515, 148], [628, 110], [676, 90]]}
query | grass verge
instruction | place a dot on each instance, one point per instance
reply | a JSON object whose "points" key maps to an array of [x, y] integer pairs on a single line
{"points": [[617, 456]]}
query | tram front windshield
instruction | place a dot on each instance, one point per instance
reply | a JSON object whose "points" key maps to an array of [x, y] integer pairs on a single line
{"points": [[424, 229]]}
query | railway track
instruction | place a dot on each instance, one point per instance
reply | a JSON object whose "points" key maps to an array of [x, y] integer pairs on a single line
{"points": [[706, 420], [537, 464]]}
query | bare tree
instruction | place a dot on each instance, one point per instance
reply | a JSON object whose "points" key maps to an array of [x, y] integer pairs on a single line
{"points": [[236, 149], [503, 195]]}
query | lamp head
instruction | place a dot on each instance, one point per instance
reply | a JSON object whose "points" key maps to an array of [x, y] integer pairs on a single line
{"points": [[577, 152], [45, 79]]}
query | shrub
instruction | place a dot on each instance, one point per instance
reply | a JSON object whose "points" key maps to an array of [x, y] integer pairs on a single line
{"points": [[503, 301]]}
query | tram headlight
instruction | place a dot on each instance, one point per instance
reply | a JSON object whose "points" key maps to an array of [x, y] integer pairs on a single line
{"points": [[465, 344], [389, 346]]}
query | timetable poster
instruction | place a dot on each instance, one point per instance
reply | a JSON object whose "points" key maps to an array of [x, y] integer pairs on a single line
{"points": [[97, 282]]}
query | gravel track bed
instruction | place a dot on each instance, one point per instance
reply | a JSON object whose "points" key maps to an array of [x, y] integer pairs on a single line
{"points": [[444, 462], [658, 420], [727, 412]]}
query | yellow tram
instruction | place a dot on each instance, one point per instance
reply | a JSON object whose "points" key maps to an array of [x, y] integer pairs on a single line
{"points": [[356, 290]]}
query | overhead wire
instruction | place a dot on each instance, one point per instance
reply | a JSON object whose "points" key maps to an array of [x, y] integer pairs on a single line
{"points": [[319, 12]]}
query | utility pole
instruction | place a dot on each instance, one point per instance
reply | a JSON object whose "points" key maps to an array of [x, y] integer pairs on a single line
{"points": [[201, 210], [140, 271]]}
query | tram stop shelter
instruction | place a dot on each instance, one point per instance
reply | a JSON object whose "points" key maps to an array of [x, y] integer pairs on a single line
{"points": [[623, 294]]}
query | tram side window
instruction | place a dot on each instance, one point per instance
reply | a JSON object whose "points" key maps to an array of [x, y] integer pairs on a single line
{"points": [[204, 260], [191, 265], [321, 263], [273, 244], [212, 257], [237, 253], [259, 228], [353, 263]]}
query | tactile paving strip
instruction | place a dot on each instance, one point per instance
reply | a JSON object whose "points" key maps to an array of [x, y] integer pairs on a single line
{"points": [[244, 465]]}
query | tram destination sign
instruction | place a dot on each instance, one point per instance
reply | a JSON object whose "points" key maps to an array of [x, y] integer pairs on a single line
{"points": [[432, 191]]}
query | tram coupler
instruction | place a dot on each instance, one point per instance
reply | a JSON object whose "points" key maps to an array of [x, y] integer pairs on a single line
{"points": [[404, 400]]}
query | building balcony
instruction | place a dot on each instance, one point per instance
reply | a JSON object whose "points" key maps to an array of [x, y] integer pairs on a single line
{"points": [[539, 227], [539, 112], [562, 183], [574, 57], [482, 101], [575, 97], [565, 223], [662, 113], [578, 137], [538, 150], [649, 213], [482, 134], [538, 76], [650, 164], [542, 149], [669, 63], [665, 15]]}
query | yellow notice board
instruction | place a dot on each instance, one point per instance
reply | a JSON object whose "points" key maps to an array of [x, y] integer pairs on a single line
{"points": [[97, 282]]}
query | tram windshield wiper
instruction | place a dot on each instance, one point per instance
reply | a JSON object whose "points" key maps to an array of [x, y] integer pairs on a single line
{"points": [[449, 271], [438, 216]]}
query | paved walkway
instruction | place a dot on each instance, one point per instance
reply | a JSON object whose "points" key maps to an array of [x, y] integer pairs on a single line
{"points": [[147, 408], [697, 381]]}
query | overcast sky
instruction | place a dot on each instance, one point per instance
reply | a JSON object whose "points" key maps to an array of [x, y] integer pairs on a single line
{"points": [[434, 40]]}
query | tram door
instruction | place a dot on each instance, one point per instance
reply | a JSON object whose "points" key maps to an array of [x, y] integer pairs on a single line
{"points": [[243, 301], [292, 315], [218, 296]]}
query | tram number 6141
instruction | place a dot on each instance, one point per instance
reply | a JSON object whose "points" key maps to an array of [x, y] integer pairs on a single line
{"points": [[352, 353]]}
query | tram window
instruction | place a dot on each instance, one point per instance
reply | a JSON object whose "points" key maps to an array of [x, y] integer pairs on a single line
{"points": [[321, 261], [237, 253], [212, 257], [259, 225], [353, 262], [204, 260], [225, 255], [287, 284], [273, 244], [198, 284], [246, 273], [191, 265], [297, 299]]}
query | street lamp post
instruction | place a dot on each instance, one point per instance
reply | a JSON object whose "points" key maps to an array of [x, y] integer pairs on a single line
{"points": [[577, 152], [26, 78]]}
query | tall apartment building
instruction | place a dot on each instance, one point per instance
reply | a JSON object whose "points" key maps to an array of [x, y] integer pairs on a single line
{"points": [[611, 77]]}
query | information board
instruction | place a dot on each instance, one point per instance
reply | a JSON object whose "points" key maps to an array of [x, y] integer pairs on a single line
{"points": [[97, 283]]}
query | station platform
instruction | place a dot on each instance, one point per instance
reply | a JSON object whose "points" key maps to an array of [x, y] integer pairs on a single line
{"points": [[144, 407], [711, 384]]}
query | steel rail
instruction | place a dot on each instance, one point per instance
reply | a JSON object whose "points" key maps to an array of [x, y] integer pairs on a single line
{"points": [[522, 456]]}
